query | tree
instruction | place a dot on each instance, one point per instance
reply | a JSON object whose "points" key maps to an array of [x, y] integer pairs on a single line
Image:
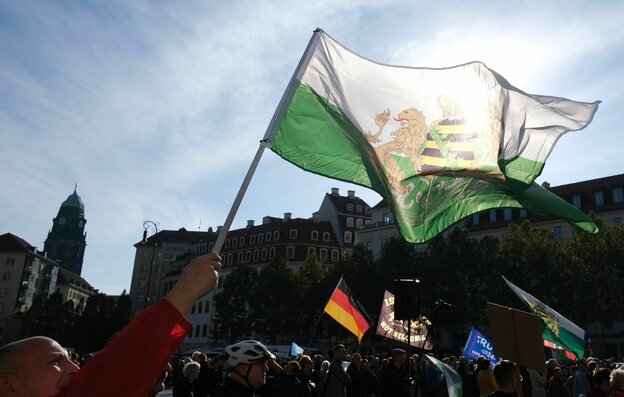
{"points": [[94, 327], [593, 285], [233, 303], [310, 296], [273, 304], [34, 318]]}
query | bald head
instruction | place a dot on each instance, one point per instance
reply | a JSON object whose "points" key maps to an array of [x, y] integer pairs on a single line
{"points": [[35, 367], [12, 355]]}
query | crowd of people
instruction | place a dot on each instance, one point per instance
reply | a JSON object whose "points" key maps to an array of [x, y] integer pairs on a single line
{"points": [[40, 367], [356, 375]]}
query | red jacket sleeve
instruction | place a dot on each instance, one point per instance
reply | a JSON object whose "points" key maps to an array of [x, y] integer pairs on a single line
{"points": [[129, 365]]}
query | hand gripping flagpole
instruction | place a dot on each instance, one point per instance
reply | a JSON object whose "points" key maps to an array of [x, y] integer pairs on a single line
{"points": [[266, 141]]}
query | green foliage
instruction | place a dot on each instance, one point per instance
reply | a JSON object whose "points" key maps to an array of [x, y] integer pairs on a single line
{"points": [[233, 304], [85, 328], [580, 278]]}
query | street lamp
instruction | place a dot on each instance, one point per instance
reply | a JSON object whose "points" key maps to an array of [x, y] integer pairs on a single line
{"points": [[146, 225]]}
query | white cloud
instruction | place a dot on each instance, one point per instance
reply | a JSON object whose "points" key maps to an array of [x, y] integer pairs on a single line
{"points": [[157, 110]]}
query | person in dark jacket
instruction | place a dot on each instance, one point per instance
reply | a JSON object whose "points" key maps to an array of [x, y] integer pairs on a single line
{"points": [[337, 378], [394, 381], [357, 387]]}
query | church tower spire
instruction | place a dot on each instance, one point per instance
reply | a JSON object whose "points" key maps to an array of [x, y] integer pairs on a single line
{"points": [[66, 241]]}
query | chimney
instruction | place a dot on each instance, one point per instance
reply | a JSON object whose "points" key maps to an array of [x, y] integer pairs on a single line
{"points": [[287, 216], [335, 191], [266, 219], [351, 194], [219, 229], [250, 223], [210, 229], [546, 185], [316, 217]]}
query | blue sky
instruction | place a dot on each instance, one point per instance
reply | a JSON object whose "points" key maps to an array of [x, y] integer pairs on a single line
{"points": [[156, 108]]}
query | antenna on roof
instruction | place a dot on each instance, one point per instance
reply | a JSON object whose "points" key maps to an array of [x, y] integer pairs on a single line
{"points": [[76, 187], [199, 227]]}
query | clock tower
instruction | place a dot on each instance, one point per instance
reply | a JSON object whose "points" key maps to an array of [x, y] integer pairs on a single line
{"points": [[66, 241]]}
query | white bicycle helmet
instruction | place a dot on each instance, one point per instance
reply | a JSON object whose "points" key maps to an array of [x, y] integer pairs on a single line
{"points": [[247, 352]]}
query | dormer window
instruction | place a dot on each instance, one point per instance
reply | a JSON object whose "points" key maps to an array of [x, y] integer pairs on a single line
{"points": [[576, 200], [492, 216], [618, 195], [292, 234], [350, 207], [314, 235], [358, 209], [599, 197]]}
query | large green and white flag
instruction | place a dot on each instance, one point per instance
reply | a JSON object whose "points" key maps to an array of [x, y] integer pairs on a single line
{"points": [[557, 329], [437, 144], [453, 380]]}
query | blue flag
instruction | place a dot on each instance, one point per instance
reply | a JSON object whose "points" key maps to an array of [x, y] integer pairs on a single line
{"points": [[478, 345], [295, 350]]}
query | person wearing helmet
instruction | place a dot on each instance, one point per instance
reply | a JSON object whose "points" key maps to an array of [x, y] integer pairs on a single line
{"points": [[247, 362]]}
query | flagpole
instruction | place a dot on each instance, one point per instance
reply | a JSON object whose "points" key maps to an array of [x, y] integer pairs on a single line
{"points": [[318, 320], [323, 311], [239, 197], [266, 141]]}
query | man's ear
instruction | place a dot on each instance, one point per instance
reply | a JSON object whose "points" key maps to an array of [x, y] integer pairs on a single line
{"points": [[7, 385]]}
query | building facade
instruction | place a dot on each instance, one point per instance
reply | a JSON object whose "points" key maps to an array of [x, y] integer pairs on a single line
{"points": [[74, 288], [347, 214], [66, 241], [255, 245], [24, 273]]}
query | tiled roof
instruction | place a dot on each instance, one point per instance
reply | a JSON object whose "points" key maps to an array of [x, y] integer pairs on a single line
{"points": [[11, 243]]}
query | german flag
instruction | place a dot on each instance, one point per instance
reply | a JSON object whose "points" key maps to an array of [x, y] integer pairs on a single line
{"points": [[343, 308]]}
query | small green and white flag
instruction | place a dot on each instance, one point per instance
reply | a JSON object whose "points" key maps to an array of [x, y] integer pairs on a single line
{"points": [[557, 329], [453, 380], [438, 144]]}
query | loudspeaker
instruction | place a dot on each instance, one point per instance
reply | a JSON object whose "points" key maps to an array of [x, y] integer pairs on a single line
{"points": [[406, 299]]}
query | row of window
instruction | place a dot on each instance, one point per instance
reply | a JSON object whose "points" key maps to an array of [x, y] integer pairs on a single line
{"points": [[617, 196], [359, 222], [240, 241], [266, 237], [201, 307], [322, 255], [358, 208], [198, 330], [558, 230], [493, 215], [369, 244], [264, 254]]}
